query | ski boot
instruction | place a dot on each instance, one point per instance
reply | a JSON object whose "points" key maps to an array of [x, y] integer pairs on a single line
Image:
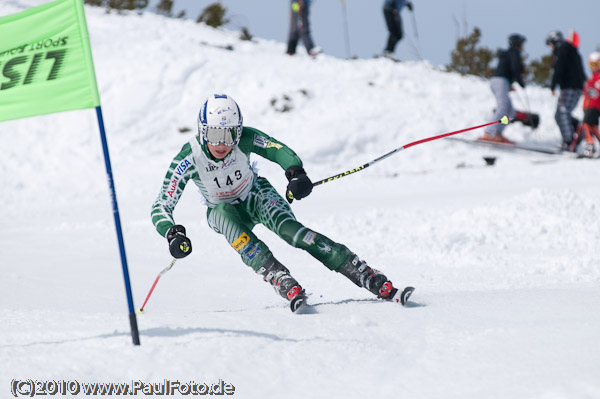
{"points": [[284, 284], [588, 150], [361, 274], [527, 119]]}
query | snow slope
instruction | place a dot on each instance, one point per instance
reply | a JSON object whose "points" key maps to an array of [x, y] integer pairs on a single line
{"points": [[505, 258]]}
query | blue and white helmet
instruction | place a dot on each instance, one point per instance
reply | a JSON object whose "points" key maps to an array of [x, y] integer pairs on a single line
{"points": [[220, 121]]}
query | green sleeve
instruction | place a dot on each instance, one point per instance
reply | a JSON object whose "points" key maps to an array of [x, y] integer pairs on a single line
{"points": [[253, 140], [179, 173]]}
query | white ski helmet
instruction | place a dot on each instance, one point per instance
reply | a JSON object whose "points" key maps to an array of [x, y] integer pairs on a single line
{"points": [[220, 120]]}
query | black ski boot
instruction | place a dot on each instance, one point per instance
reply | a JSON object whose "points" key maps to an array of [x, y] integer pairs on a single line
{"points": [[361, 274], [527, 119], [279, 277]]}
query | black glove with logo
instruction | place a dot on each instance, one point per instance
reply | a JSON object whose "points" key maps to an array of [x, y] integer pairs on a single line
{"points": [[409, 5], [179, 245], [299, 185]]}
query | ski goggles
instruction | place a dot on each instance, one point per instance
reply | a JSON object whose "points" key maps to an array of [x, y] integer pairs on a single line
{"points": [[215, 135]]}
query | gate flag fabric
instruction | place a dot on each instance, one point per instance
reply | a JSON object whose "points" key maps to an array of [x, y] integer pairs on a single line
{"points": [[45, 61], [46, 66]]}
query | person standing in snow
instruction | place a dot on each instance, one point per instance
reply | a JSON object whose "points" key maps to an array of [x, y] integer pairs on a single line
{"points": [[300, 28], [391, 13], [217, 161], [510, 69], [569, 76], [591, 105]]}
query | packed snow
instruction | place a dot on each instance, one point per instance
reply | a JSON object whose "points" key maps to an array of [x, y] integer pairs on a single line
{"points": [[504, 258]]}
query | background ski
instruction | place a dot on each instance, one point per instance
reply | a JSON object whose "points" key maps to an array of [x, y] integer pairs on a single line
{"points": [[544, 149]]}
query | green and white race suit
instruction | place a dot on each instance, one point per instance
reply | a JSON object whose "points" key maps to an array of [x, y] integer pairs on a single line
{"points": [[238, 199]]}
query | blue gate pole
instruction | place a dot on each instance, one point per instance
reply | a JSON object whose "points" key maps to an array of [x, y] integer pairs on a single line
{"points": [[132, 318]]}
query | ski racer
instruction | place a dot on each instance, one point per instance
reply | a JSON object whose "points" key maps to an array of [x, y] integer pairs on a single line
{"points": [[217, 162]]}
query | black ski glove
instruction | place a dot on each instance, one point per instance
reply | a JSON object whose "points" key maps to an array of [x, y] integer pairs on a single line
{"points": [[409, 5], [299, 185], [179, 245]]}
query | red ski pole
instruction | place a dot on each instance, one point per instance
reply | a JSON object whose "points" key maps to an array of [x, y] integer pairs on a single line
{"points": [[504, 121], [166, 269]]}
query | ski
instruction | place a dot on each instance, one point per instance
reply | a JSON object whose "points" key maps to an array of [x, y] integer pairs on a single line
{"points": [[227, 47], [387, 57], [298, 303], [402, 296], [510, 147], [593, 156]]}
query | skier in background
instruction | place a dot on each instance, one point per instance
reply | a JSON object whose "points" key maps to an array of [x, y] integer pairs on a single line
{"points": [[217, 161], [510, 69], [300, 28], [591, 105], [569, 76], [391, 13]]}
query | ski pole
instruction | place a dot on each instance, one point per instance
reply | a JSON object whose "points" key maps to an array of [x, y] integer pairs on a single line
{"points": [[166, 269], [526, 99], [418, 47], [526, 102], [503, 121], [346, 34]]}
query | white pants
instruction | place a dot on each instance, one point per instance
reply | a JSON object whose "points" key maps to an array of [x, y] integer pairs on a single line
{"points": [[500, 87]]}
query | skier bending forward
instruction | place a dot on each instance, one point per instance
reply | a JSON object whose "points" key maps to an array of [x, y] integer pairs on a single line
{"points": [[217, 161]]}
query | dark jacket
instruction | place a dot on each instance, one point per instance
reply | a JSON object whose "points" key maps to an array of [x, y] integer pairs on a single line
{"points": [[510, 66], [568, 68], [395, 4]]}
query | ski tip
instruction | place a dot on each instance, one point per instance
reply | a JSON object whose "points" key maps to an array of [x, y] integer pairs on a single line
{"points": [[504, 120], [406, 293], [298, 303]]}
